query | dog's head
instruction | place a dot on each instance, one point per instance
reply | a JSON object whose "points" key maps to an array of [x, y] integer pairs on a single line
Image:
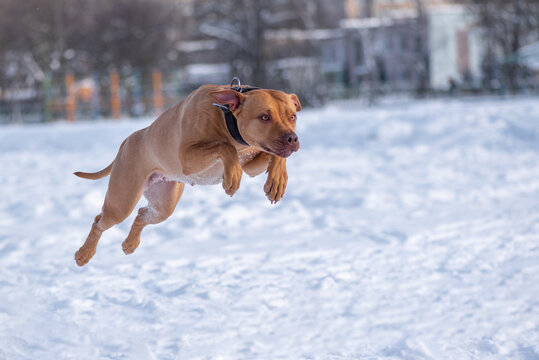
{"points": [[266, 118]]}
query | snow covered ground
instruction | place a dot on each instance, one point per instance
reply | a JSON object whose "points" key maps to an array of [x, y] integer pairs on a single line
{"points": [[408, 231]]}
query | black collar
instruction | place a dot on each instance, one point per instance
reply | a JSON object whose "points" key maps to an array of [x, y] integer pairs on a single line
{"points": [[230, 119]]}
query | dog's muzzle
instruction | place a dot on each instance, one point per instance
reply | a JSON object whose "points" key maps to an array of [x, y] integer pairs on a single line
{"points": [[290, 144]]}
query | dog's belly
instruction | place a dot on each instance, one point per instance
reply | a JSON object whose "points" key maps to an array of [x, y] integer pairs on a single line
{"points": [[214, 174], [211, 176]]}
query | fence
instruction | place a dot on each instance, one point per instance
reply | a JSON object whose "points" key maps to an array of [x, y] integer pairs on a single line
{"points": [[98, 95], [76, 97]]}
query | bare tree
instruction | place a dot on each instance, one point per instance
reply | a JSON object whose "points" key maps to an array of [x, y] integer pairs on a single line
{"points": [[58, 35], [368, 8], [133, 33], [242, 26], [508, 25], [422, 65]]}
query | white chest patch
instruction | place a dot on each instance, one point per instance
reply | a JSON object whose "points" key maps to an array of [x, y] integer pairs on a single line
{"points": [[211, 176], [214, 174]]}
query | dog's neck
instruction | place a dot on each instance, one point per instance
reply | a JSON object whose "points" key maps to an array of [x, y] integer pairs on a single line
{"points": [[232, 126], [230, 119]]}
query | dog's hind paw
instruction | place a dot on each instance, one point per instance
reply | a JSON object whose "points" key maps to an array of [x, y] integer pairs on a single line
{"points": [[130, 245], [84, 255]]}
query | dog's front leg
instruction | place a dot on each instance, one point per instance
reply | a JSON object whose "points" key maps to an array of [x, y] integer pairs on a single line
{"points": [[258, 165], [277, 179], [197, 158]]}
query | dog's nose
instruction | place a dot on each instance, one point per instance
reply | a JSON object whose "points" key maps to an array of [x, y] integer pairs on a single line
{"points": [[291, 141], [292, 138]]}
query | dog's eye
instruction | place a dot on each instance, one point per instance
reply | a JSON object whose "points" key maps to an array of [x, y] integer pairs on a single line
{"points": [[265, 117], [293, 118]]}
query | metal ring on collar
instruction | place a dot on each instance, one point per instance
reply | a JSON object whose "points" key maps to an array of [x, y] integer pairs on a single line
{"points": [[237, 88]]}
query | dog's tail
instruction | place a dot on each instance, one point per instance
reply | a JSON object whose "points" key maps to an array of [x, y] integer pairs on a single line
{"points": [[101, 173], [97, 175]]}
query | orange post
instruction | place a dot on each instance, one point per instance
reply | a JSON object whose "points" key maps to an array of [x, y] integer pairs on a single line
{"points": [[71, 101], [157, 91], [115, 102]]}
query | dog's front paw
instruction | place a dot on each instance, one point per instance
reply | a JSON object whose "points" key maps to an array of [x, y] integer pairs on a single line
{"points": [[231, 182], [275, 186]]}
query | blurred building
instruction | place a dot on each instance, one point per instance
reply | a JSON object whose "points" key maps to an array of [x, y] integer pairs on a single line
{"points": [[404, 44], [529, 56], [362, 45]]}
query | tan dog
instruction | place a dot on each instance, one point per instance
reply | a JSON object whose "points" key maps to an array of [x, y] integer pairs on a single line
{"points": [[190, 143]]}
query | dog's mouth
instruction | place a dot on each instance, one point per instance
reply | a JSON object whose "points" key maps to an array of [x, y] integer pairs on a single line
{"points": [[284, 153]]}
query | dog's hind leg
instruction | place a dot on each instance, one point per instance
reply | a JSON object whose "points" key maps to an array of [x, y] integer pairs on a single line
{"points": [[162, 196], [87, 250], [122, 197]]}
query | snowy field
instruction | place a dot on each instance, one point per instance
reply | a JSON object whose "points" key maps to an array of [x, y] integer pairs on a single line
{"points": [[408, 231]]}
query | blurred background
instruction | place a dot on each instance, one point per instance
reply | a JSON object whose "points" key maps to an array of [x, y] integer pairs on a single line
{"points": [[88, 59]]}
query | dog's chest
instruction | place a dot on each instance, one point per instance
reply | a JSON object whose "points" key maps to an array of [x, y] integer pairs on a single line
{"points": [[210, 176], [214, 173], [247, 155]]}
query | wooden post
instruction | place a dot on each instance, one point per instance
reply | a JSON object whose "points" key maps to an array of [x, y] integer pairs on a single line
{"points": [[115, 102], [71, 101], [96, 111], [157, 91]]}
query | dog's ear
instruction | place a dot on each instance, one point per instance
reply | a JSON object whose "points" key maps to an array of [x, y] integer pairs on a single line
{"points": [[296, 102], [228, 97]]}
